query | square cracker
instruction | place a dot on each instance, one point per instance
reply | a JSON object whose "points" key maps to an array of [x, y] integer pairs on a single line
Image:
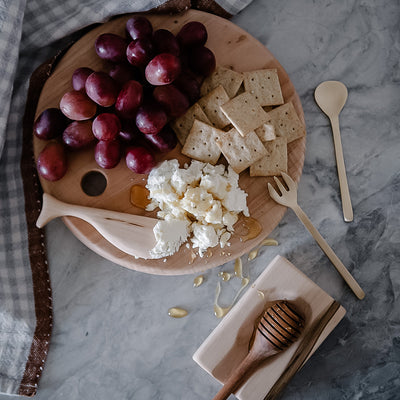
{"points": [[264, 85], [286, 122], [229, 79], [184, 123], [274, 162], [200, 144], [244, 113], [266, 132], [211, 103], [241, 152]]}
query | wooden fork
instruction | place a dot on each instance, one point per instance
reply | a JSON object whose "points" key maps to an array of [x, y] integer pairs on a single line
{"points": [[288, 198]]}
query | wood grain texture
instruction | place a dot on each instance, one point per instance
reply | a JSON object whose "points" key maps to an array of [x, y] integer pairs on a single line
{"points": [[234, 48]]}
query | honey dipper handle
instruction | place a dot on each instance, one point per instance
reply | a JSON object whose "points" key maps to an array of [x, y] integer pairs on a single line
{"points": [[239, 375]]}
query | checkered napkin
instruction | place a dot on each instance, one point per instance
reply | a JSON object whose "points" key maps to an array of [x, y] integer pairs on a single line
{"points": [[30, 32]]}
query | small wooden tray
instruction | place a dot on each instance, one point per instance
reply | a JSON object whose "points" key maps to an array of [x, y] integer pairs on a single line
{"points": [[228, 343], [232, 47]]}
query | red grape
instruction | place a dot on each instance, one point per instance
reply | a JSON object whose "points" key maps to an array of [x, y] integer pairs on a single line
{"points": [[122, 73], [139, 160], [165, 42], [172, 99], [49, 124], [52, 162], [129, 99], [164, 141], [78, 134], [163, 69], [202, 60], [101, 88], [106, 126], [187, 83], [192, 34], [79, 77], [151, 118], [139, 27], [129, 132], [139, 52], [111, 47], [77, 106], [107, 154]]}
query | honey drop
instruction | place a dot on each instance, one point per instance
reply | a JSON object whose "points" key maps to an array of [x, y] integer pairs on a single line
{"points": [[253, 254], [139, 196], [225, 276], [269, 242], [198, 280], [260, 293], [177, 312]]}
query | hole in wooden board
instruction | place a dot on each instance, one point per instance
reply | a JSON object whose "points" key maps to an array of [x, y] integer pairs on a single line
{"points": [[93, 183]]}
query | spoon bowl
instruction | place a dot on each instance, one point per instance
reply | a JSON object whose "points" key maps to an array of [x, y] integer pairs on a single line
{"points": [[331, 97]]}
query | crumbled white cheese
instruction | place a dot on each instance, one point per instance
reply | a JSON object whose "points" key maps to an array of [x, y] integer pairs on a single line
{"points": [[169, 236], [206, 198]]}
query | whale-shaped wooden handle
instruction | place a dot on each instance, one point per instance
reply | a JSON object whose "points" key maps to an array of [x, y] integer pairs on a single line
{"points": [[132, 234]]}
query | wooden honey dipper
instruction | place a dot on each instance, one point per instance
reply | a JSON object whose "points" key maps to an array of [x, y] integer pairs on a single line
{"points": [[279, 327]]}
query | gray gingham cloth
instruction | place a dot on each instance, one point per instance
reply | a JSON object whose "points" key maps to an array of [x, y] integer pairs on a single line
{"points": [[30, 32]]}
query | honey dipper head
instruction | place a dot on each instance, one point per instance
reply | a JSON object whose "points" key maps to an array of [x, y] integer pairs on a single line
{"points": [[281, 324]]}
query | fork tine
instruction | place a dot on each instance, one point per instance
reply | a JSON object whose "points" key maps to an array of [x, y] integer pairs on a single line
{"points": [[273, 193], [289, 181], [280, 185]]}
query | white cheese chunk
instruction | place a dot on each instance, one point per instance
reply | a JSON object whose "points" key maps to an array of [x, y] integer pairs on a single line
{"points": [[169, 236], [204, 236]]}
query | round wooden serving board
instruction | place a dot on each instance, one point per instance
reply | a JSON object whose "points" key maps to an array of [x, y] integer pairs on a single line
{"points": [[232, 47]]}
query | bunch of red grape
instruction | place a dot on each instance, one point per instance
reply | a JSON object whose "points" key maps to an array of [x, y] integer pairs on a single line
{"points": [[153, 76]]}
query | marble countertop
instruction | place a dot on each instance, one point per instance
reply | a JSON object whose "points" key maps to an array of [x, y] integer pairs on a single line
{"points": [[112, 337]]}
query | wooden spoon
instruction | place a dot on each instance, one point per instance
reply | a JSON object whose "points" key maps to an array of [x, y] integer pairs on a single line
{"points": [[133, 234], [279, 327], [331, 96]]}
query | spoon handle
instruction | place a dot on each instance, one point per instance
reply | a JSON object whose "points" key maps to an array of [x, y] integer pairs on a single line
{"points": [[344, 187], [239, 375]]}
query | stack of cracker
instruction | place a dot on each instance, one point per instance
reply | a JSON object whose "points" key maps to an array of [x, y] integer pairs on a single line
{"points": [[251, 129]]}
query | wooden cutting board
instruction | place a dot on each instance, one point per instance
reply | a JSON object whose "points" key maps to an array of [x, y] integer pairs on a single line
{"points": [[233, 47]]}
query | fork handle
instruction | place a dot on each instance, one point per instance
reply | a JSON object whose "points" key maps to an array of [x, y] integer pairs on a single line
{"points": [[343, 271]]}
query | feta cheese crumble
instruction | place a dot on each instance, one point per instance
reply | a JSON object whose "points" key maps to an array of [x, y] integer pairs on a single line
{"points": [[200, 202]]}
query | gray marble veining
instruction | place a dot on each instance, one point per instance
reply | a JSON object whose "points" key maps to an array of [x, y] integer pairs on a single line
{"points": [[112, 336]]}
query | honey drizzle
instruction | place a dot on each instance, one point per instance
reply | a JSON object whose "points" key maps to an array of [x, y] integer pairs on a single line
{"points": [[252, 228], [222, 311], [266, 242], [218, 310], [140, 196], [238, 268]]}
